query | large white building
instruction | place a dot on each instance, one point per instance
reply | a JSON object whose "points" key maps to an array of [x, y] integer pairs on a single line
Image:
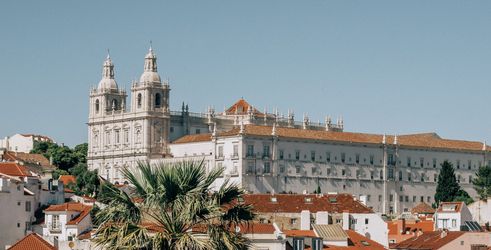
{"points": [[22, 142], [269, 152]]}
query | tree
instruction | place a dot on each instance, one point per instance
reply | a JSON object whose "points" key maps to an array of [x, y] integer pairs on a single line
{"points": [[63, 157], [482, 182], [462, 195], [173, 198], [87, 181], [447, 187], [80, 152]]}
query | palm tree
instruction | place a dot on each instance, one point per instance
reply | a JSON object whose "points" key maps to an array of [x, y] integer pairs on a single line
{"points": [[169, 203]]}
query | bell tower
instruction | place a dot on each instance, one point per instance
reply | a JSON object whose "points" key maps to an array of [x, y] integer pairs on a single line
{"points": [[150, 97]]}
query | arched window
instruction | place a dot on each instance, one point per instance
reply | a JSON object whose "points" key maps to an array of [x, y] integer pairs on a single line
{"points": [[381, 174], [139, 101], [115, 104], [158, 100], [97, 106]]}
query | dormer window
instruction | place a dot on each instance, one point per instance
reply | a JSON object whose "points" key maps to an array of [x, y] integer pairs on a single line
{"points": [[308, 199]]}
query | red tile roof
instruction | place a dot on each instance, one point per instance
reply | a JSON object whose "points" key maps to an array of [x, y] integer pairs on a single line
{"points": [[240, 107], [426, 140], [295, 203], [356, 241], [429, 240], [14, 169], [299, 233], [30, 242], [67, 179], [36, 159], [422, 208]]}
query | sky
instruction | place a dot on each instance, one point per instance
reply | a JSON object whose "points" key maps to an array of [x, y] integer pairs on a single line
{"points": [[393, 67]]}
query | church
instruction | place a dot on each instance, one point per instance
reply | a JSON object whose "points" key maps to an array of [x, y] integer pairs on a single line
{"points": [[269, 152]]}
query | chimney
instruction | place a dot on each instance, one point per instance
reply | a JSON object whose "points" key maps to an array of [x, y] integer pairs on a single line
{"points": [[55, 242], [401, 226], [443, 234], [305, 220], [322, 218], [346, 221]]}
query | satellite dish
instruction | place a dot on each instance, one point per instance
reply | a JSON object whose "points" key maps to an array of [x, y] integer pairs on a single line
{"points": [[71, 244], [237, 229]]}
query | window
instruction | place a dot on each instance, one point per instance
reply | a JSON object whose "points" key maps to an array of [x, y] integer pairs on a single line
{"points": [[400, 175], [414, 198], [328, 157], [458, 178], [267, 168], [357, 158], [28, 206], [409, 176], [422, 177], [281, 154], [371, 175], [282, 168], [266, 151], [293, 221], [390, 159], [343, 172], [220, 151], [391, 173], [368, 197], [297, 169], [421, 162], [108, 137], [381, 174], [297, 155], [250, 150], [470, 178], [116, 135], [434, 162], [380, 198], [126, 136], [454, 223], [409, 161], [435, 176], [115, 104], [138, 136], [458, 164], [198, 131], [401, 198], [371, 159], [236, 150], [428, 199], [158, 100], [422, 199], [343, 157], [139, 101], [469, 164], [391, 197], [312, 155], [250, 167], [28, 226], [366, 221], [55, 222], [97, 106], [406, 198]]}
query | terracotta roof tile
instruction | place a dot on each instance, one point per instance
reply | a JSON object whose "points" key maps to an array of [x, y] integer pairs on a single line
{"points": [[32, 241], [295, 203], [429, 240], [67, 179], [35, 159], [14, 169], [424, 140], [240, 107], [422, 208], [299, 233]]}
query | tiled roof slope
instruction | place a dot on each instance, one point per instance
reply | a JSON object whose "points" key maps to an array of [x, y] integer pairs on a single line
{"points": [[422, 208], [425, 140], [30, 242], [429, 240], [14, 169], [295, 203], [241, 107], [37, 159], [330, 232], [456, 205], [66, 179]]}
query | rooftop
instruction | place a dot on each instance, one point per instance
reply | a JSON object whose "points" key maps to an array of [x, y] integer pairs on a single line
{"points": [[66, 179], [422, 208], [32, 241], [14, 169], [424, 140], [295, 203], [429, 240]]}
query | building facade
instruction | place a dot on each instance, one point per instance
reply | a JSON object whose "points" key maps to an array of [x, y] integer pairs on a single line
{"points": [[269, 152]]}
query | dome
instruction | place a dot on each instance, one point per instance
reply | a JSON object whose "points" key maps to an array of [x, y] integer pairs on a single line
{"points": [[149, 76], [108, 83]]}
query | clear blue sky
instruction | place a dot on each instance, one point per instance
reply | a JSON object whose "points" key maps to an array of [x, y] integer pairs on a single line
{"points": [[385, 66]]}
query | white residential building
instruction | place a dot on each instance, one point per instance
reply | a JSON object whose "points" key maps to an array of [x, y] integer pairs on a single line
{"points": [[21, 194], [65, 222], [451, 216], [481, 211], [22, 142], [269, 152]]}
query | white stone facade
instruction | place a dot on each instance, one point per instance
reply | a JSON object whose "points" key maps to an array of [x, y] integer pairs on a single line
{"points": [[120, 136], [22, 142]]}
